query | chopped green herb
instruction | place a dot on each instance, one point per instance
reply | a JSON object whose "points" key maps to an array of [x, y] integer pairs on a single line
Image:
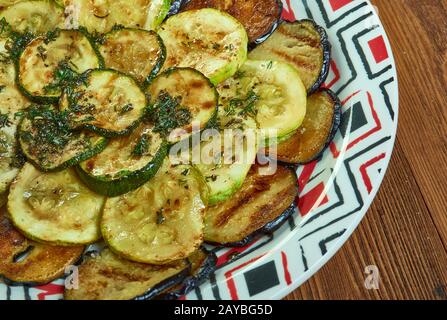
{"points": [[63, 76], [4, 120], [270, 65], [246, 105], [212, 178], [185, 172], [1, 88], [142, 146], [160, 217], [52, 35], [169, 114], [127, 108]]}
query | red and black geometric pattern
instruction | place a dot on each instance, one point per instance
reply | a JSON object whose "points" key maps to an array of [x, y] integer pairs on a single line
{"points": [[335, 192]]}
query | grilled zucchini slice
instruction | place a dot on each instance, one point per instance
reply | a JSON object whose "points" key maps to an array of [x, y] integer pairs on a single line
{"points": [[3, 198], [180, 98], [225, 169], [136, 52], [28, 262], [48, 62], [107, 102], [270, 91], [11, 160], [54, 208], [259, 17], [304, 45], [109, 277], [126, 164], [160, 222], [47, 141], [103, 15], [208, 40], [37, 16], [322, 121], [261, 199]]}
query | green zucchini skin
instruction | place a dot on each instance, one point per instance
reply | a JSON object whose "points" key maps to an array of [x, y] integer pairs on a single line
{"points": [[135, 179], [87, 154], [105, 132], [160, 61], [52, 99]]}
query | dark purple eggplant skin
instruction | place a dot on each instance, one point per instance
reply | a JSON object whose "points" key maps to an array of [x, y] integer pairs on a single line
{"points": [[337, 119], [268, 228], [194, 281], [177, 6], [327, 47], [165, 285]]}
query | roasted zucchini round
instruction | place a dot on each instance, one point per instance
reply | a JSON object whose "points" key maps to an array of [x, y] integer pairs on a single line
{"points": [[139, 53], [208, 40], [27, 262], [11, 160], [36, 16], [126, 163], [270, 91], [107, 102], [304, 45], [109, 277], [262, 199], [54, 208], [224, 165], [322, 121], [102, 16], [160, 222], [49, 63], [47, 141], [181, 98]]}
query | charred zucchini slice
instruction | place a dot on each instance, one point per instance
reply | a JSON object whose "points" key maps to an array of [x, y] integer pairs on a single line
{"points": [[136, 52], [322, 121], [47, 141], [262, 199], [126, 164], [208, 40], [103, 15], [270, 91], [11, 160], [28, 262], [50, 62], [181, 98], [54, 208], [109, 277], [304, 45], [3, 199], [203, 263], [225, 169], [160, 222], [259, 17], [37, 16], [107, 102]]}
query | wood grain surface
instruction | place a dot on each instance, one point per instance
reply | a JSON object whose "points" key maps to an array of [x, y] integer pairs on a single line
{"points": [[405, 231]]}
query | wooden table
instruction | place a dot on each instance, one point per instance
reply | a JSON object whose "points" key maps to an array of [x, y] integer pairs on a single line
{"points": [[405, 231]]}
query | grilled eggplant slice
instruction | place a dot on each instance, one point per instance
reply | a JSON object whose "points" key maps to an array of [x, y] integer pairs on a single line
{"points": [[208, 40], [11, 160], [270, 91], [102, 15], [47, 141], [262, 199], [139, 53], [36, 16], [180, 98], [303, 44], [225, 169], [203, 263], [109, 277], [126, 164], [54, 208], [24, 261], [160, 222], [107, 102], [322, 121], [259, 17], [50, 62]]}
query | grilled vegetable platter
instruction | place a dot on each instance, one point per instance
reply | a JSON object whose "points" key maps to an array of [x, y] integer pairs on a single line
{"points": [[95, 96]]}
